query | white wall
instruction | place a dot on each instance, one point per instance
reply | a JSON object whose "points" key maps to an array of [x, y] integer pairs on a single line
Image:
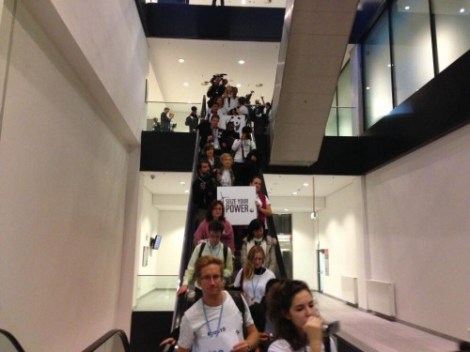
{"points": [[63, 192], [419, 233], [340, 230], [415, 234], [304, 248]]}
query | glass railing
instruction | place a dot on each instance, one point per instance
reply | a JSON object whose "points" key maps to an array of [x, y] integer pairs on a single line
{"points": [[341, 122], [156, 292], [8, 342], [179, 110], [112, 341], [239, 3]]}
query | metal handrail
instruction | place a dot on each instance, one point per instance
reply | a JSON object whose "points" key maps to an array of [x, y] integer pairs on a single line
{"points": [[12, 340], [110, 334]]}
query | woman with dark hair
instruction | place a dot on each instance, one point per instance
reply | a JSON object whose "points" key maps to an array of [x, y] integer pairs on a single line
{"points": [[215, 212], [257, 237], [208, 154], [297, 328]]}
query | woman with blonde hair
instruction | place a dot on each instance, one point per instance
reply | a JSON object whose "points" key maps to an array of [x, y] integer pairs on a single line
{"points": [[253, 277]]}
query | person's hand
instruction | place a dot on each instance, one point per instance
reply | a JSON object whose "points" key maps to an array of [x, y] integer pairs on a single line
{"points": [[314, 330], [168, 341], [209, 139], [241, 346], [182, 290], [263, 337]]}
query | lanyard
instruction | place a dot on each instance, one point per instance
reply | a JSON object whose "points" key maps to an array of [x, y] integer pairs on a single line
{"points": [[254, 287], [211, 333]]}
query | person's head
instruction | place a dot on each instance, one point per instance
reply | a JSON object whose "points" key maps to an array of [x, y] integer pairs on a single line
{"points": [[226, 160], [230, 126], [209, 274], [290, 305], [166, 110], [215, 107], [215, 229], [208, 150], [254, 260], [219, 101], [203, 167], [246, 131], [214, 121], [257, 182], [241, 101], [256, 256], [234, 91], [193, 108], [255, 230], [267, 289], [216, 211]]}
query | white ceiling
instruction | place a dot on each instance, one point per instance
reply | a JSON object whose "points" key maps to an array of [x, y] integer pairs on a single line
{"points": [[171, 183], [204, 58]]}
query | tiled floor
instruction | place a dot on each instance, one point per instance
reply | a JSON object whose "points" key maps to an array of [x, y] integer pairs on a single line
{"points": [[364, 330]]}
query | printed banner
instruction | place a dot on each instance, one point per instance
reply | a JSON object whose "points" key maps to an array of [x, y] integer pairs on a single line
{"points": [[239, 204]]}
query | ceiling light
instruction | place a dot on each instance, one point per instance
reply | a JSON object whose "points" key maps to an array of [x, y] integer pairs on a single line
{"points": [[306, 184], [182, 183], [186, 191], [407, 8], [313, 215], [238, 85], [294, 193], [185, 84], [241, 62], [285, 209], [368, 88], [462, 10], [181, 61]]}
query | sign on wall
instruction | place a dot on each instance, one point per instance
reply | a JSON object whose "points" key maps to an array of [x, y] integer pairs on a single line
{"points": [[239, 204]]}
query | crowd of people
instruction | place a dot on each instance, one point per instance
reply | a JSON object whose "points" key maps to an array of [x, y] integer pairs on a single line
{"points": [[232, 274]]}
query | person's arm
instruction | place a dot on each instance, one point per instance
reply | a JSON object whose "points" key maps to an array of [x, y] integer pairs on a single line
{"points": [[243, 252], [228, 229], [228, 269], [189, 272], [236, 144], [251, 341], [201, 232], [266, 211], [272, 255], [236, 283]]}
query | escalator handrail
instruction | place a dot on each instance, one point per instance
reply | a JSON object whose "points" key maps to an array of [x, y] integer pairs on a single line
{"points": [[109, 335], [12, 340], [270, 221]]}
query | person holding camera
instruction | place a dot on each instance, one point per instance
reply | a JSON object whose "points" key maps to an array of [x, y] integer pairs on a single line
{"points": [[217, 88], [165, 120]]}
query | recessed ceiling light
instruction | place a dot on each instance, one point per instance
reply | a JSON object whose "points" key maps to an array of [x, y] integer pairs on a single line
{"points": [[185, 84], [407, 8], [238, 85], [305, 184], [285, 209], [181, 61], [368, 88], [462, 10], [241, 62], [186, 191], [182, 183]]}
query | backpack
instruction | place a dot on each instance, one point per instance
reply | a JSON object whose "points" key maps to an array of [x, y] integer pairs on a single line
{"points": [[237, 298]]}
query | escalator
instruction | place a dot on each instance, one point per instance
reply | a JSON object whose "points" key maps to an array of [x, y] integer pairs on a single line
{"points": [[182, 302]]}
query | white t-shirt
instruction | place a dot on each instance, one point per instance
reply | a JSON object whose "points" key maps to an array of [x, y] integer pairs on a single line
{"points": [[256, 287], [208, 335]]}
